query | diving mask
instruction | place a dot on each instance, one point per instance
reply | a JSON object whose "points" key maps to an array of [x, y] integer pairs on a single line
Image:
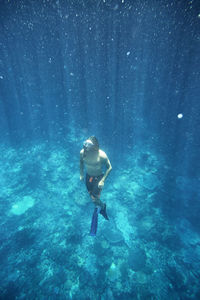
{"points": [[88, 145]]}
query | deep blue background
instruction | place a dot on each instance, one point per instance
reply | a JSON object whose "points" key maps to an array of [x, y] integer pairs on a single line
{"points": [[122, 71]]}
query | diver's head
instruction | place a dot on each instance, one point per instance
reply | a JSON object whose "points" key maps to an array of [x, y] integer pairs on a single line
{"points": [[88, 145], [91, 145]]}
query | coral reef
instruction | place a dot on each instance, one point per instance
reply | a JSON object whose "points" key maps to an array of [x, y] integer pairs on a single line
{"points": [[46, 251]]}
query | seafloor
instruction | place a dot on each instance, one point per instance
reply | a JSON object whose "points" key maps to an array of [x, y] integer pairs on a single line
{"points": [[148, 249]]}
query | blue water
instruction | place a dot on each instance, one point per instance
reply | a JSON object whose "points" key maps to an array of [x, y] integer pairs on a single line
{"points": [[127, 72]]}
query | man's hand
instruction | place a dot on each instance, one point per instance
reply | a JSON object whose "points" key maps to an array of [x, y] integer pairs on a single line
{"points": [[101, 184], [81, 177]]}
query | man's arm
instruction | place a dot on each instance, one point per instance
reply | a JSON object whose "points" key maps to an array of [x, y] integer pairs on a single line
{"points": [[81, 164], [108, 165]]}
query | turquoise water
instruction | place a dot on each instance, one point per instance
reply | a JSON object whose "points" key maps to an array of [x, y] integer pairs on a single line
{"points": [[47, 253]]}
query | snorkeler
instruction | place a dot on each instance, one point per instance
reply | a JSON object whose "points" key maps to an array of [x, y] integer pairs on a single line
{"points": [[94, 159]]}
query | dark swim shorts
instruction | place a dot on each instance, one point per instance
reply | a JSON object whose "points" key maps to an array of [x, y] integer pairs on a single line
{"points": [[92, 184]]}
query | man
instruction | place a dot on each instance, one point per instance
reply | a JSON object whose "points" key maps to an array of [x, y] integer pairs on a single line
{"points": [[94, 159]]}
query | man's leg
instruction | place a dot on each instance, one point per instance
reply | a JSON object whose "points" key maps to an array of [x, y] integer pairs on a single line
{"points": [[95, 192], [102, 205], [97, 201]]}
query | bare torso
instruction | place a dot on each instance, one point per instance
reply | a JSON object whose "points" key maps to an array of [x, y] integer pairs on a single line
{"points": [[94, 164]]}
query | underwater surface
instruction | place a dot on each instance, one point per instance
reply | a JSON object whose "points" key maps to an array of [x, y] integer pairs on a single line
{"points": [[127, 72]]}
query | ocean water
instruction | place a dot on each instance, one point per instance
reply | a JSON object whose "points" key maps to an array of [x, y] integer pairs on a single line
{"points": [[128, 72]]}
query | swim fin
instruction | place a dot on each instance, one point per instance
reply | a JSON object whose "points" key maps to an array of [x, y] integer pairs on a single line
{"points": [[103, 212], [94, 223]]}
